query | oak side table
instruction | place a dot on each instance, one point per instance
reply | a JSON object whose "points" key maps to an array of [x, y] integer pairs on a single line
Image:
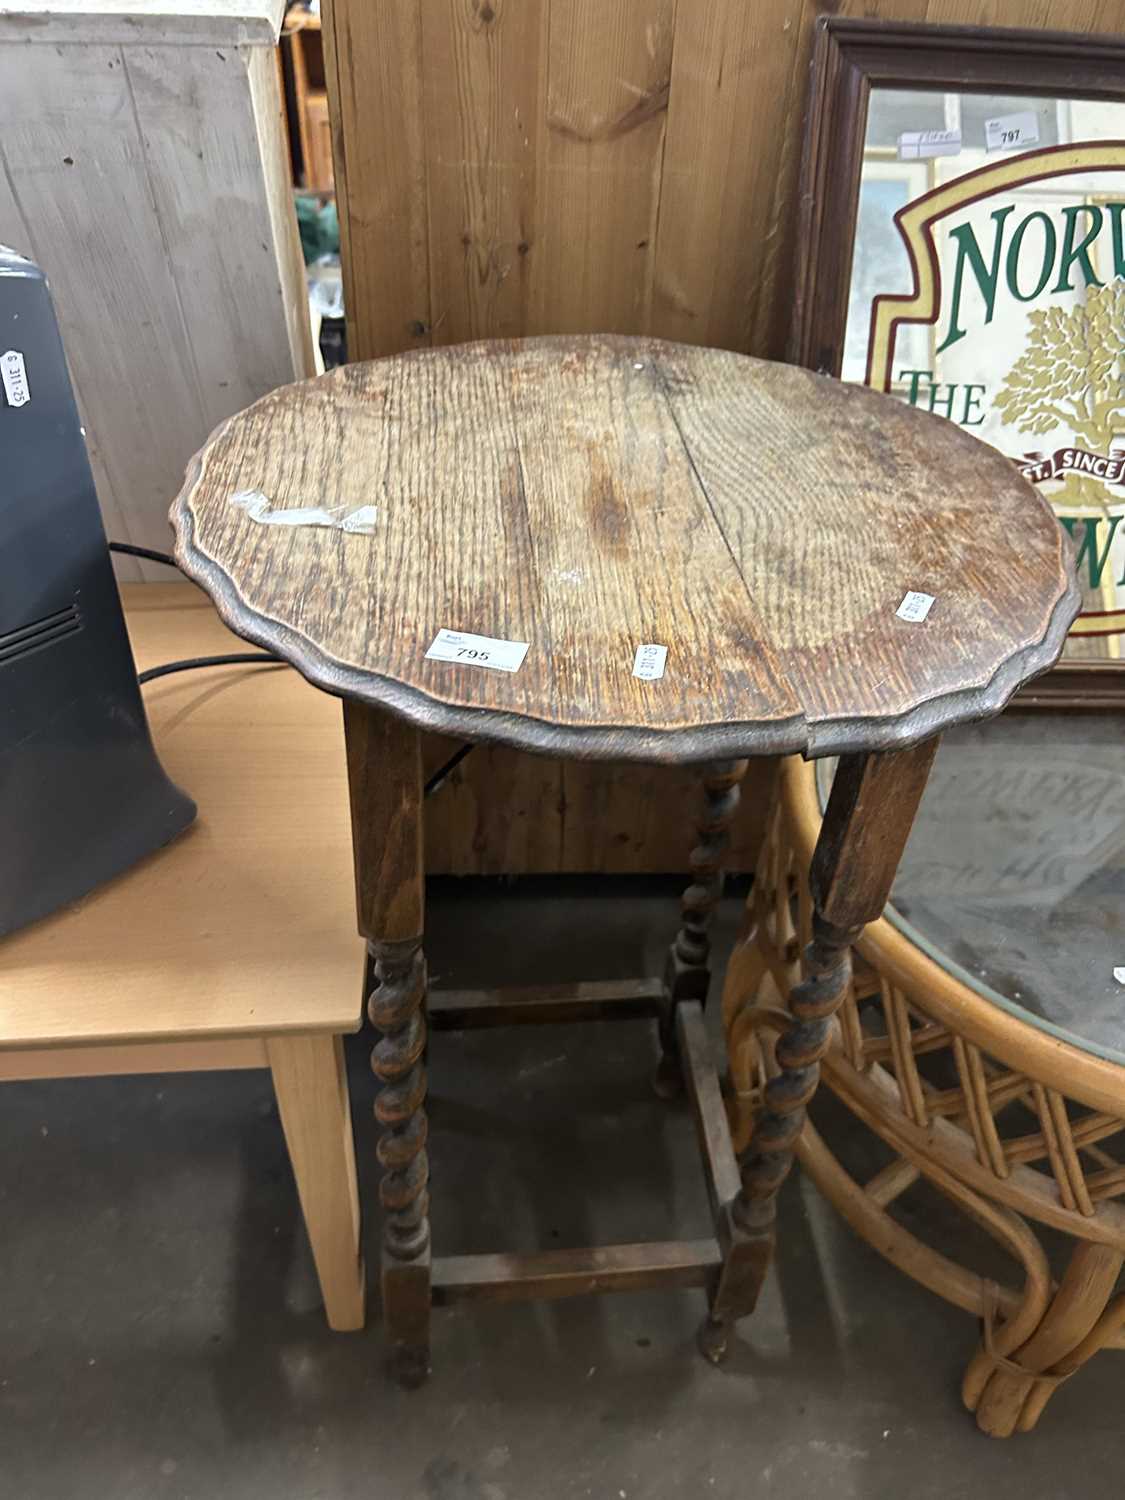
{"points": [[480, 540]]}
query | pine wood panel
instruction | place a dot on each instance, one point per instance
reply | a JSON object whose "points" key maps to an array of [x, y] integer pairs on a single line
{"points": [[714, 175], [620, 819], [586, 495], [142, 166], [202, 23], [58, 164], [1041, 13], [728, 65], [482, 132], [373, 70], [286, 310], [234, 341], [605, 108], [644, 155], [573, 817]]}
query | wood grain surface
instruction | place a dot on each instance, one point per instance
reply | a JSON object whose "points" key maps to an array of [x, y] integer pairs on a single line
{"points": [[461, 218], [179, 139], [243, 926], [558, 166], [588, 495]]}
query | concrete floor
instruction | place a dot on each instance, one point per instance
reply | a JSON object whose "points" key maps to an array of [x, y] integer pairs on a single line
{"points": [[161, 1336]]}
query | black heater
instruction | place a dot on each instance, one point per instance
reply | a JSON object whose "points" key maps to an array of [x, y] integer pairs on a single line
{"points": [[82, 794]]}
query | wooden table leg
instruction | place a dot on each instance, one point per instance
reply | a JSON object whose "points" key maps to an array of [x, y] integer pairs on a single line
{"points": [[385, 785], [687, 973], [870, 812], [312, 1099]]}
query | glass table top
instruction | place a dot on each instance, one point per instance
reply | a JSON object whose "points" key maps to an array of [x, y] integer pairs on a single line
{"points": [[1014, 876]]}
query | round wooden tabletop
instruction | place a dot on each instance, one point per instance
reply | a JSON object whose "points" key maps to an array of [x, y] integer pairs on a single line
{"points": [[586, 496]]}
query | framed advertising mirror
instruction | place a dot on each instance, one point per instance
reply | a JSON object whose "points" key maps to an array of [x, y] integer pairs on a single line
{"points": [[963, 248]]}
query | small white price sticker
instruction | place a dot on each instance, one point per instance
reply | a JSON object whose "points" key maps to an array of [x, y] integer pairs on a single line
{"points": [[914, 144], [1008, 132], [915, 607], [649, 662], [14, 376], [477, 651]]}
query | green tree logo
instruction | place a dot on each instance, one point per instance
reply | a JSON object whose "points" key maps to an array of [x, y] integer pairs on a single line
{"points": [[1072, 375]]}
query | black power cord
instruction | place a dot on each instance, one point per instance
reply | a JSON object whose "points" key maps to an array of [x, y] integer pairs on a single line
{"points": [[234, 658], [191, 663], [440, 775], [147, 552]]}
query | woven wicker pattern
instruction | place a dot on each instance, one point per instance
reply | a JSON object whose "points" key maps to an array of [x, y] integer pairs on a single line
{"points": [[941, 1077]]}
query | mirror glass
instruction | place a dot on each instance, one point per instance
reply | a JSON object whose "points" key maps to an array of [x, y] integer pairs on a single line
{"points": [[988, 286]]}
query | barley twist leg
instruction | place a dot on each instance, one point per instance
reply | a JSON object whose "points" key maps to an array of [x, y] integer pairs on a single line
{"points": [[396, 1008], [869, 814], [799, 1051], [687, 974], [385, 786]]}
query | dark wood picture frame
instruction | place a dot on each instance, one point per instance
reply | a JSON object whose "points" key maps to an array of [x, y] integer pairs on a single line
{"points": [[850, 58]]}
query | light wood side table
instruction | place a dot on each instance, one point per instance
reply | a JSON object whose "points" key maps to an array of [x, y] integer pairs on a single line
{"points": [[586, 498], [231, 947]]}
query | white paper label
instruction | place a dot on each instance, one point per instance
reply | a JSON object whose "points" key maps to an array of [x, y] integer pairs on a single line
{"points": [[915, 607], [1007, 132], [913, 144], [1119, 974], [649, 662], [14, 376], [477, 651]]}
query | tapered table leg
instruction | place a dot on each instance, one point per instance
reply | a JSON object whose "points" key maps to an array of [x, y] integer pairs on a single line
{"points": [[385, 785], [869, 815], [687, 973], [312, 1098]]}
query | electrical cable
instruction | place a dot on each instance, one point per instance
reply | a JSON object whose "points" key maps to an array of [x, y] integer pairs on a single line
{"points": [[451, 764], [189, 664], [233, 658], [147, 552]]}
